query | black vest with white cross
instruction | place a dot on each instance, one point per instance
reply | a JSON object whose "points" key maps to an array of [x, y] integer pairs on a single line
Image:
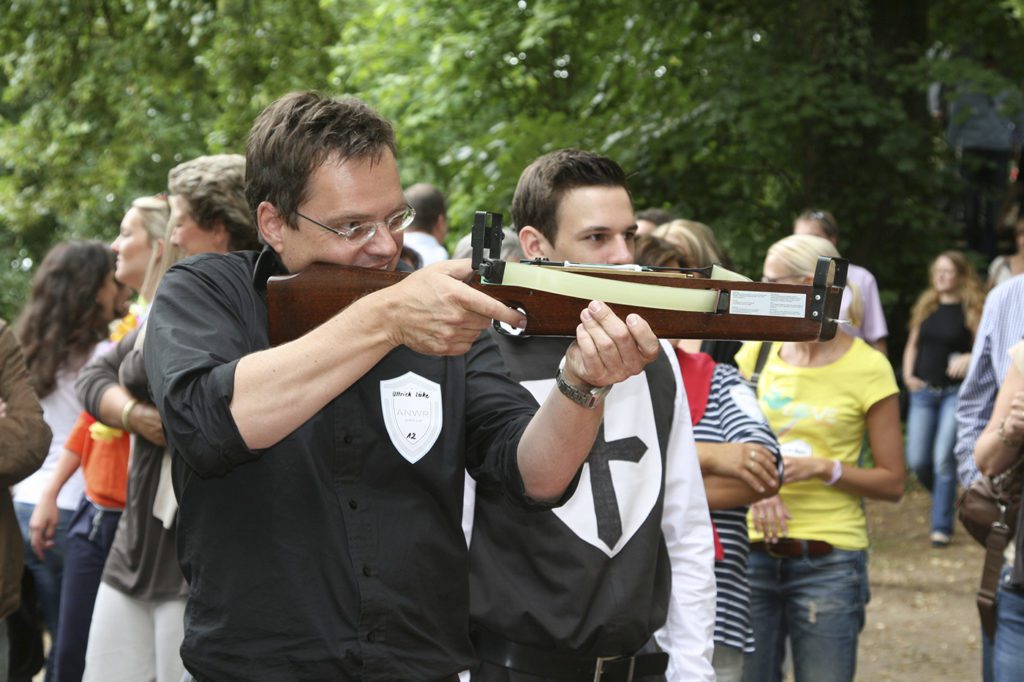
{"points": [[593, 575]]}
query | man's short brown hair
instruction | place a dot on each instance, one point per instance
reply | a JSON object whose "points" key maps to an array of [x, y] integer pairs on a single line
{"points": [[545, 181], [214, 187], [296, 134], [429, 203]]}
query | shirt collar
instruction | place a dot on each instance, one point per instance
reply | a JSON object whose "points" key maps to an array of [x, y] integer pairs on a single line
{"points": [[268, 264]]}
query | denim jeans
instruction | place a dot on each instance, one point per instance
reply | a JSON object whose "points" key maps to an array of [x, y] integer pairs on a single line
{"points": [[1008, 651], [931, 435], [818, 602], [47, 573]]}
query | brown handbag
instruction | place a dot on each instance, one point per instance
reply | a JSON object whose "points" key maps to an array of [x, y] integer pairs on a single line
{"points": [[988, 509], [989, 501]]}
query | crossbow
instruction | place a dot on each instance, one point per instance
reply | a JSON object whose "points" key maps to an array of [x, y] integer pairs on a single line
{"points": [[696, 303]]}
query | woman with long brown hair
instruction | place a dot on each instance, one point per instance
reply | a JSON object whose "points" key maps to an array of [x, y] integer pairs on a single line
{"points": [[935, 361], [71, 302]]}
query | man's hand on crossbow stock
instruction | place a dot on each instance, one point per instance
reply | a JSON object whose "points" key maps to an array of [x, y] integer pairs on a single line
{"points": [[434, 312], [608, 349]]}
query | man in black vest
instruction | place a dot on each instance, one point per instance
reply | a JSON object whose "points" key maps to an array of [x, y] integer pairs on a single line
{"points": [[624, 570]]}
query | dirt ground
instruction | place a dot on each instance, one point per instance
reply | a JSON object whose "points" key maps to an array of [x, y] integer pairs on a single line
{"points": [[922, 623]]}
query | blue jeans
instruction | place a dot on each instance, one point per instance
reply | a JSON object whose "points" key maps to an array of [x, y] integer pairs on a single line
{"points": [[818, 602], [931, 435], [47, 573], [1008, 651]]}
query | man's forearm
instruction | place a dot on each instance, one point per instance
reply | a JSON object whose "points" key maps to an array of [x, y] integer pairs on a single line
{"points": [[278, 389], [555, 444]]}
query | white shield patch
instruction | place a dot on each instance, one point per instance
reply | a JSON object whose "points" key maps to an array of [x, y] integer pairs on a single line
{"points": [[412, 414]]}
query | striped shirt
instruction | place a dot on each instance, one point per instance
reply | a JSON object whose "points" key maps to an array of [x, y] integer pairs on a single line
{"points": [[1002, 325], [732, 416]]}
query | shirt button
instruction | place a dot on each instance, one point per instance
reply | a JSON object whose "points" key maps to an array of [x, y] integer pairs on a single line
{"points": [[369, 571], [372, 636], [348, 439], [353, 504]]}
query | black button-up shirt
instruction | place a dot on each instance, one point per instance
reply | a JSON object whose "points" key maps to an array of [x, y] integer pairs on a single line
{"points": [[336, 553]]}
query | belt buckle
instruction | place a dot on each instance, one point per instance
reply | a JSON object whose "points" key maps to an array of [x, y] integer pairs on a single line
{"points": [[769, 547], [601, 660]]}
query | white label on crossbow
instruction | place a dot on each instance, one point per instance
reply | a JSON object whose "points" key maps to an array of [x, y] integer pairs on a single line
{"points": [[768, 303]]}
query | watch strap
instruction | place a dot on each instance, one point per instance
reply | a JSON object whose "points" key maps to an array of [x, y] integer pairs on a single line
{"points": [[588, 398]]}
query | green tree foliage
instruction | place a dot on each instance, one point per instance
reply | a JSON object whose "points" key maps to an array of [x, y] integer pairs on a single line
{"points": [[737, 114], [100, 98]]}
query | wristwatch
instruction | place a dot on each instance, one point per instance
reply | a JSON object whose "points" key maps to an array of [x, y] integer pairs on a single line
{"points": [[587, 397]]}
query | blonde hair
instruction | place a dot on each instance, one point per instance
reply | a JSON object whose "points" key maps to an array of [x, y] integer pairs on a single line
{"points": [[695, 240], [159, 261], [969, 291], [155, 213], [799, 254]]}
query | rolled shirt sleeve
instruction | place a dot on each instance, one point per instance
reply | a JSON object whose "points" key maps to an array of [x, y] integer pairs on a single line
{"points": [[201, 324], [100, 373]]}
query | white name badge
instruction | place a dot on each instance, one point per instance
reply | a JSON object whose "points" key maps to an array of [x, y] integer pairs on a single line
{"points": [[796, 448], [412, 414]]}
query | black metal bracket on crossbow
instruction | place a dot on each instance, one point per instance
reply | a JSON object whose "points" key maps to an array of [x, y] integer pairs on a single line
{"points": [[821, 282], [486, 241]]}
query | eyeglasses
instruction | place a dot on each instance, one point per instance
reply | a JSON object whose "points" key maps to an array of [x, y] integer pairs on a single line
{"points": [[360, 233]]}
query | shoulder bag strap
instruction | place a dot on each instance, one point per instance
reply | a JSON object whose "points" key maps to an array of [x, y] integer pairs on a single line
{"points": [[762, 358]]}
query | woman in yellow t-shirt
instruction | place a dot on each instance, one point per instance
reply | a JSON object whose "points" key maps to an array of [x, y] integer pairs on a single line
{"points": [[808, 559]]}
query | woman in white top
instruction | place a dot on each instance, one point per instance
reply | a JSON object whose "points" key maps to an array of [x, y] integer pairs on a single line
{"points": [[71, 303]]}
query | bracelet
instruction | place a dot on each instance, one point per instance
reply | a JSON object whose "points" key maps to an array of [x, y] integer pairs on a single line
{"points": [[837, 473], [126, 414], [1004, 438]]}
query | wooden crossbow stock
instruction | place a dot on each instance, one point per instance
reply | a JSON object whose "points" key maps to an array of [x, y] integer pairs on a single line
{"points": [[702, 303]]}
